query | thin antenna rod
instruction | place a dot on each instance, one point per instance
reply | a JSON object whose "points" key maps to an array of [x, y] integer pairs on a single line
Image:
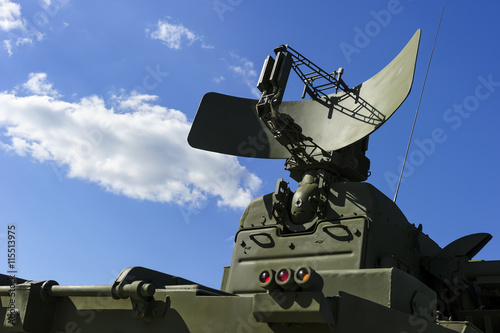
{"points": [[418, 107]]}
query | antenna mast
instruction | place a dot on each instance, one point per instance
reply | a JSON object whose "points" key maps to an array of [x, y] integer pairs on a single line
{"points": [[418, 107]]}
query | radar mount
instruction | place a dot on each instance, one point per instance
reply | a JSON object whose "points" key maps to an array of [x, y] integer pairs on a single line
{"points": [[323, 139], [305, 153], [328, 132]]}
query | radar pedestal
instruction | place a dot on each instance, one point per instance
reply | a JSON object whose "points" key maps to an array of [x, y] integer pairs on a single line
{"points": [[323, 139]]}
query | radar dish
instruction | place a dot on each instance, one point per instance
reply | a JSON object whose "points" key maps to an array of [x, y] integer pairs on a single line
{"points": [[231, 125]]}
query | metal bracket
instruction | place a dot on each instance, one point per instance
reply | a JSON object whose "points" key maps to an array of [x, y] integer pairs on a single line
{"points": [[148, 310], [141, 294], [139, 284], [280, 199], [324, 190], [28, 310]]}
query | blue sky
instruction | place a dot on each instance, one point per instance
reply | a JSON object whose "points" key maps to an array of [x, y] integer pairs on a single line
{"points": [[96, 100]]}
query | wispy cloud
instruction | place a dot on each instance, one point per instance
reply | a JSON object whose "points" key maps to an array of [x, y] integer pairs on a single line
{"points": [[12, 22], [7, 45], [218, 79], [38, 85], [136, 148], [244, 69], [45, 3], [175, 35]]}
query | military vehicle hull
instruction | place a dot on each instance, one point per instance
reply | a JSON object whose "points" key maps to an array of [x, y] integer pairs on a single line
{"points": [[183, 309], [361, 280]]}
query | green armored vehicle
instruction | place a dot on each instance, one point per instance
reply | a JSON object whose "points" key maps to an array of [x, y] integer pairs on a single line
{"points": [[336, 255]]}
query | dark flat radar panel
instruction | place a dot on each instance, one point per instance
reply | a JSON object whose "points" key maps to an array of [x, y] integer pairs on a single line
{"points": [[230, 125]]}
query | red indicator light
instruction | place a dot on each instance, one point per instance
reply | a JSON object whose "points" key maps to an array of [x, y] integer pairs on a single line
{"points": [[265, 277], [283, 275]]}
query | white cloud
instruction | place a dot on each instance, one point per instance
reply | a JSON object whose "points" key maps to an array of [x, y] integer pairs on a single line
{"points": [[10, 15], [174, 35], [207, 46], [137, 148], [218, 79], [37, 84], [23, 40], [244, 69], [7, 45], [12, 21]]}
